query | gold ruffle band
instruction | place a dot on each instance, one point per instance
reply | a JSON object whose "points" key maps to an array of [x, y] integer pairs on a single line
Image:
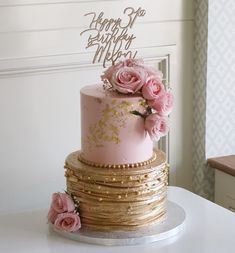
{"points": [[121, 198]]}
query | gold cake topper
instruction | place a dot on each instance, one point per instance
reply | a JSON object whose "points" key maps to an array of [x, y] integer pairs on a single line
{"points": [[111, 37]]}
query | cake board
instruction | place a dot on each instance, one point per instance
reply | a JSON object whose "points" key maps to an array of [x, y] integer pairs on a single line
{"points": [[171, 226]]}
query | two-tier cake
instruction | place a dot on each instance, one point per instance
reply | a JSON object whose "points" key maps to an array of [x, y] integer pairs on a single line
{"points": [[117, 181]]}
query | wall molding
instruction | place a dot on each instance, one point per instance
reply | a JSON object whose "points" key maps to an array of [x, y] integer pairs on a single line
{"points": [[66, 28], [63, 62], [26, 16], [15, 3]]}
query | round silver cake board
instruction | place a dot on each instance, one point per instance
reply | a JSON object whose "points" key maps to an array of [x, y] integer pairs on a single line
{"points": [[170, 227]]}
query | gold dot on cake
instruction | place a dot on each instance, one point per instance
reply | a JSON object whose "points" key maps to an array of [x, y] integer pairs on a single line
{"points": [[73, 179], [130, 177], [114, 179], [88, 178], [126, 195], [100, 199], [99, 187], [119, 196], [107, 192], [122, 182], [89, 192]]}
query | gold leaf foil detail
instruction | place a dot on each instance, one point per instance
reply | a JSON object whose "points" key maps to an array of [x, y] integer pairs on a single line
{"points": [[107, 129]]}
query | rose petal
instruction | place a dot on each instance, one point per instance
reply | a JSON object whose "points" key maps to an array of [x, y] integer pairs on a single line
{"points": [[69, 222]]}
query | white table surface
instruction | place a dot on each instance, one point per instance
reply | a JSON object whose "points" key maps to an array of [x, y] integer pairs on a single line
{"points": [[208, 228]]}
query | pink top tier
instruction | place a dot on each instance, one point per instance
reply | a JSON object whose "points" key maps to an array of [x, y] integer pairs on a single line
{"points": [[110, 133]]}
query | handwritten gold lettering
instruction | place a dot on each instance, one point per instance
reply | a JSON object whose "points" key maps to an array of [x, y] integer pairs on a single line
{"points": [[110, 37]]}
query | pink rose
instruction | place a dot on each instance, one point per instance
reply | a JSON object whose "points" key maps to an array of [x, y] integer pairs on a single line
{"points": [[151, 71], [133, 62], [62, 202], [156, 126], [154, 73], [69, 222], [163, 105], [152, 89], [130, 75], [128, 79], [108, 73], [52, 215]]}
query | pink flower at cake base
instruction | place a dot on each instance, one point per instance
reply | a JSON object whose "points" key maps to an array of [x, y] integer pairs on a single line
{"points": [[52, 215], [128, 80], [157, 126], [152, 89], [62, 202], [69, 222], [163, 104]]}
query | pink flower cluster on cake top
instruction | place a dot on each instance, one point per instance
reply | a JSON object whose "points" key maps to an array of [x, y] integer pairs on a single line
{"points": [[63, 213], [133, 76]]}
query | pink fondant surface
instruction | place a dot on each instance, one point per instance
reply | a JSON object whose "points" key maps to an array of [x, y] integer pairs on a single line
{"points": [[110, 133]]}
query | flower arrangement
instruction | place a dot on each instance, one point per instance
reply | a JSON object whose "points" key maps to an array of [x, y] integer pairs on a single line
{"points": [[64, 213], [132, 76]]}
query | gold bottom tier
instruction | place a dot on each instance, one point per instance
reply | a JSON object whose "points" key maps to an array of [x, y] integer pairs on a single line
{"points": [[120, 199]]}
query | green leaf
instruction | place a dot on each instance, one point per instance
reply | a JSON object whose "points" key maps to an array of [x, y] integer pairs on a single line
{"points": [[138, 114]]}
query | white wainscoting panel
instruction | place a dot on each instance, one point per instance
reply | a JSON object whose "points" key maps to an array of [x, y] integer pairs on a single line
{"points": [[43, 65]]}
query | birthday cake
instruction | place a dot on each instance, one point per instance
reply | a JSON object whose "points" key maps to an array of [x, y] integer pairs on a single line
{"points": [[117, 181]]}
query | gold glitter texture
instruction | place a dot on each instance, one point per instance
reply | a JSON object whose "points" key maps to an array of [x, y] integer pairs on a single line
{"points": [[107, 129]]}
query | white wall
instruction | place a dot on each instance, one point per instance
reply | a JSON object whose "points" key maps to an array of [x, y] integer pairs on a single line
{"points": [[220, 124], [43, 65]]}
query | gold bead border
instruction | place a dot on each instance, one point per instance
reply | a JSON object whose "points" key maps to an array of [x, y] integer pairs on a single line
{"points": [[118, 166]]}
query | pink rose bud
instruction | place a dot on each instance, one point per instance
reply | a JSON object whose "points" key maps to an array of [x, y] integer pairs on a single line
{"points": [[133, 62], [69, 222], [128, 79], [62, 202], [152, 89], [163, 105], [52, 215], [157, 126]]}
